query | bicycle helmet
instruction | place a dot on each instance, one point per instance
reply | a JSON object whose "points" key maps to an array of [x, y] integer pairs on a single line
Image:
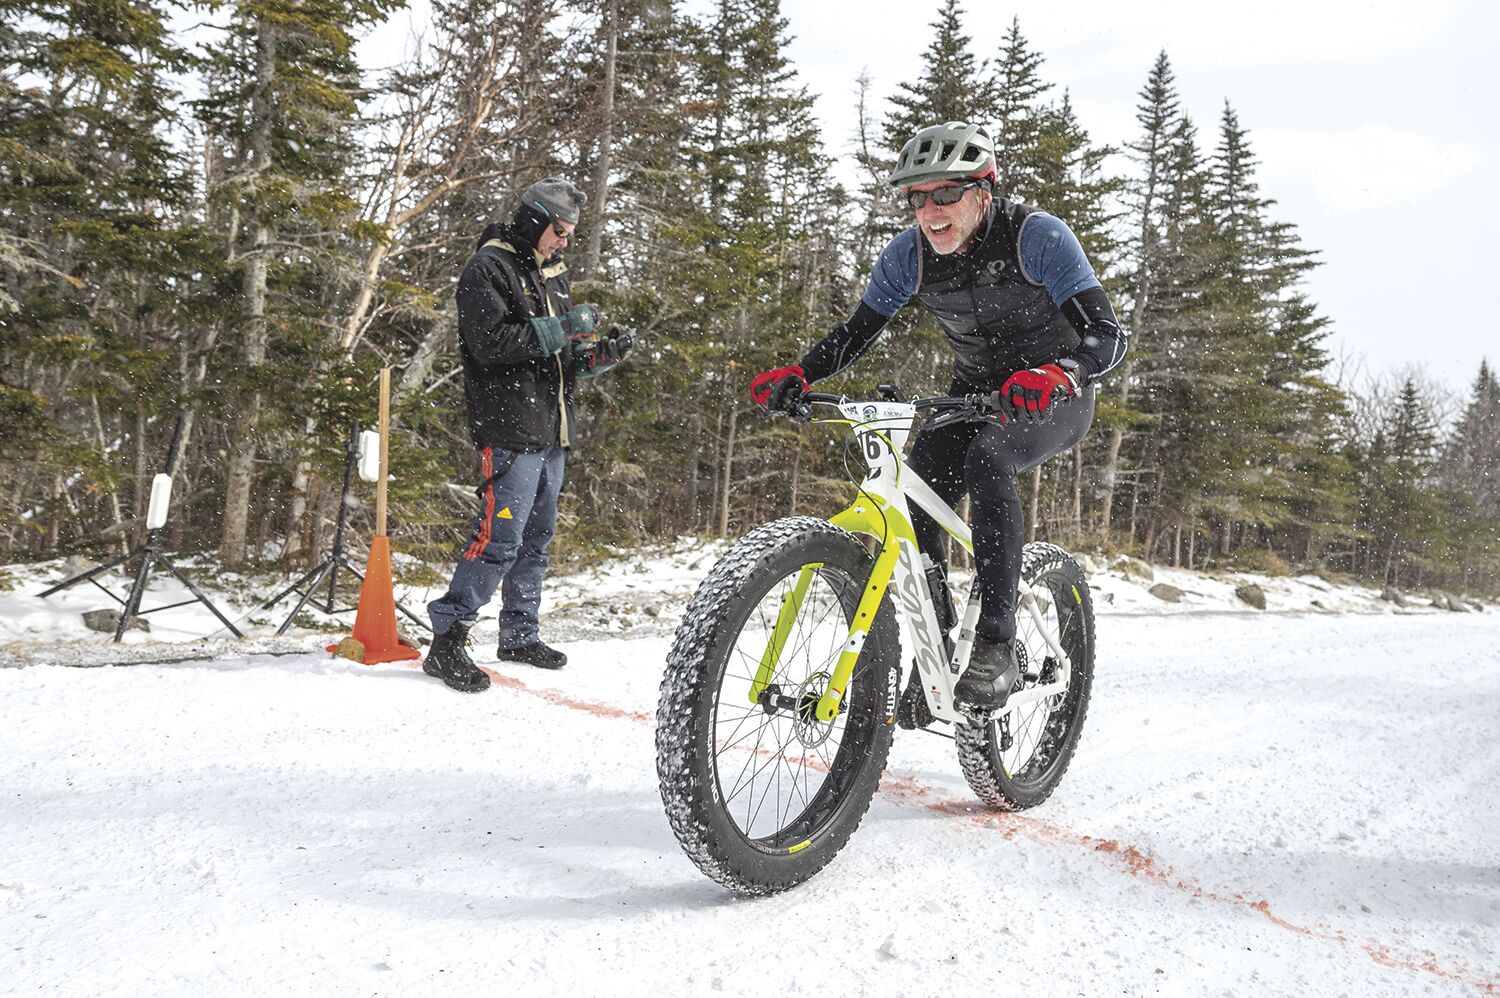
{"points": [[955, 150]]}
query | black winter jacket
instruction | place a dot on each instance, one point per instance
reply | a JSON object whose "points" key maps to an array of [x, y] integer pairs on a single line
{"points": [[518, 396]]}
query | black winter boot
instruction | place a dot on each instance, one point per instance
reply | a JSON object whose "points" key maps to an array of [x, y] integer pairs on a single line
{"points": [[448, 659], [994, 667], [536, 654]]}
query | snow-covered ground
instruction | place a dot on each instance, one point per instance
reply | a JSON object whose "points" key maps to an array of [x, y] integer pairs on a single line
{"points": [[1287, 802]]}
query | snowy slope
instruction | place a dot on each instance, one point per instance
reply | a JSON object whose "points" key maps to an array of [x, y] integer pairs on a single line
{"points": [[1281, 803]]}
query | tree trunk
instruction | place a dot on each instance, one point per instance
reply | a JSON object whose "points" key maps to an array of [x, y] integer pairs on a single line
{"points": [[114, 497], [1111, 469], [599, 195], [1078, 491], [713, 497], [796, 473], [728, 470], [142, 486], [1135, 503], [240, 465], [693, 473]]}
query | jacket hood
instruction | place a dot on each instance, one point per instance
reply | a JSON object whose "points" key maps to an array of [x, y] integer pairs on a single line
{"points": [[505, 232]]}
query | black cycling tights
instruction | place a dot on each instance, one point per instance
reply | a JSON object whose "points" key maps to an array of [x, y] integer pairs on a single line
{"points": [[983, 459]]}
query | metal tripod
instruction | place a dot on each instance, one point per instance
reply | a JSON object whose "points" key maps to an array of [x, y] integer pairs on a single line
{"points": [[149, 553], [310, 582]]}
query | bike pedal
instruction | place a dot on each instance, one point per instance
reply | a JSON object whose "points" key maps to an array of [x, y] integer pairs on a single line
{"points": [[976, 718]]}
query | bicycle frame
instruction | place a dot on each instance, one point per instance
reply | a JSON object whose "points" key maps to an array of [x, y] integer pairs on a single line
{"points": [[882, 509]]}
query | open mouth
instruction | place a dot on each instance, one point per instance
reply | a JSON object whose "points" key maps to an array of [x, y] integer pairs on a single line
{"points": [[938, 230]]}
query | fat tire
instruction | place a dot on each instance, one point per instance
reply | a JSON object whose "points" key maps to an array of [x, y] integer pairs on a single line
{"points": [[685, 738], [979, 747]]}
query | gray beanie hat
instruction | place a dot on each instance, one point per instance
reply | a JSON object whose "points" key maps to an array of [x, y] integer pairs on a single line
{"points": [[555, 198]]}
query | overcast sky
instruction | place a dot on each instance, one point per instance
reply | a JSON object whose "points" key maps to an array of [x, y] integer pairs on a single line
{"points": [[1374, 123]]}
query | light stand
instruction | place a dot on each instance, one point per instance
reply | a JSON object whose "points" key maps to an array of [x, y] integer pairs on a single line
{"points": [[156, 518], [309, 583]]}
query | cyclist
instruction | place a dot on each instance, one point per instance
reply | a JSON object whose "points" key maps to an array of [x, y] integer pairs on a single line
{"points": [[1024, 313]]}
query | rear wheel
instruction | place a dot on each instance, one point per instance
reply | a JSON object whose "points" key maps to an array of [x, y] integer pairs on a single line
{"points": [[1018, 758], [760, 792]]}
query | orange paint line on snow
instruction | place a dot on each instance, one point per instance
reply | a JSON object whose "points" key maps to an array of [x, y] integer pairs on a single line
{"points": [[563, 700], [1137, 863], [1132, 860]]}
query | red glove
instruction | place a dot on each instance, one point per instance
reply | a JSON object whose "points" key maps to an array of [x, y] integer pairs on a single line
{"points": [[1033, 392], [779, 389]]}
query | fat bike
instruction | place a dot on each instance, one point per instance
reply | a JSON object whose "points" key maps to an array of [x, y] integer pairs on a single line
{"points": [[784, 683]]}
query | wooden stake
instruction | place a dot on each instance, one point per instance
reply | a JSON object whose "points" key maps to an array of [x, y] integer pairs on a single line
{"points": [[385, 444]]}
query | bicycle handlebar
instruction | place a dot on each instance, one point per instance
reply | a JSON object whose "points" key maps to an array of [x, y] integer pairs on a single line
{"points": [[986, 404], [954, 408]]}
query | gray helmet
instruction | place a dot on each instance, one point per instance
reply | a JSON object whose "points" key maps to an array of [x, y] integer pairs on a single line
{"points": [[556, 198], [955, 150]]}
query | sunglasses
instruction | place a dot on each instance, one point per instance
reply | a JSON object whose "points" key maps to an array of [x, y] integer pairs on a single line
{"points": [[560, 232], [943, 195]]}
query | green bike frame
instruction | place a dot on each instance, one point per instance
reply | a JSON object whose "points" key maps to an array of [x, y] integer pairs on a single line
{"points": [[880, 510]]}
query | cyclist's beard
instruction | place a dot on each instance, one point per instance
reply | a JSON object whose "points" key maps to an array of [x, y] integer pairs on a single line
{"points": [[962, 225]]}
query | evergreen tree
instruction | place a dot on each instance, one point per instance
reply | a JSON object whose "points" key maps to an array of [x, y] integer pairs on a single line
{"points": [[1471, 456], [951, 87], [1470, 476], [279, 118], [100, 260], [1019, 119], [1158, 116], [1406, 521]]}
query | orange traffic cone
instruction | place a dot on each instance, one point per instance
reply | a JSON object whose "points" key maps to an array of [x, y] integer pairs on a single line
{"points": [[375, 623], [375, 639]]}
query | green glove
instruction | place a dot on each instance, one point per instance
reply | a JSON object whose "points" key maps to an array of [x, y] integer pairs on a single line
{"points": [[549, 333], [581, 320]]}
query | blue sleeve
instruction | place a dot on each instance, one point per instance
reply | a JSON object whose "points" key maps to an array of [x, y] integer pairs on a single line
{"points": [[894, 279], [1052, 257]]}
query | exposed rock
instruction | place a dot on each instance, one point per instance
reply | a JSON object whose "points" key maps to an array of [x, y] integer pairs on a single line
{"points": [[1252, 594], [1442, 601], [1391, 595], [1134, 568], [1167, 592], [77, 564], [107, 620], [1091, 566]]}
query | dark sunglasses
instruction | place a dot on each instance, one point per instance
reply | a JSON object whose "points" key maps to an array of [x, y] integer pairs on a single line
{"points": [[943, 195], [559, 231]]}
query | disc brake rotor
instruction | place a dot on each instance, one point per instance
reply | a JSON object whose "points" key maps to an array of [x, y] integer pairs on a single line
{"points": [[810, 731]]}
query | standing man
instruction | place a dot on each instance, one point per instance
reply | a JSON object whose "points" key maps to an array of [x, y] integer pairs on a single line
{"points": [[524, 345], [1012, 289]]}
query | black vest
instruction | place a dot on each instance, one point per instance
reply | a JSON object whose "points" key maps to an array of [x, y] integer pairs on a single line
{"points": [[997, 319]]}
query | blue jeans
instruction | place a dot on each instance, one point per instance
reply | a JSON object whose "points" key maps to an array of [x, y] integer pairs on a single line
{"points": [[508, 547]]}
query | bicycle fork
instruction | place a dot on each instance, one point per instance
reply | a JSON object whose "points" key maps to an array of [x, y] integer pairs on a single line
{"points": [[857, 519]]}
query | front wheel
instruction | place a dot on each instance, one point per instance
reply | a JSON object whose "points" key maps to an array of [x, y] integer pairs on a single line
{"points": [[760, 792], [1018, 758]]}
